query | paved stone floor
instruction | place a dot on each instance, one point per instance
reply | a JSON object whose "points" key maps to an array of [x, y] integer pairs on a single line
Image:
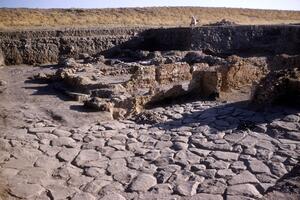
{"points": [[200, 150]]}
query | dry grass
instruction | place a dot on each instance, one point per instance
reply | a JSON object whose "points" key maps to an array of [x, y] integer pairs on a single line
{"points": [[157, 16]]}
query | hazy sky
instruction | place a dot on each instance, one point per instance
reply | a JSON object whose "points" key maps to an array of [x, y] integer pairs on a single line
{"points": [[262, 4]]}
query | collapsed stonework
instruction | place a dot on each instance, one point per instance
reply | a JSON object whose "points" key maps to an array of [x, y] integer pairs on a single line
{"points": [[125, 89], [281, 85], [124, 70]]}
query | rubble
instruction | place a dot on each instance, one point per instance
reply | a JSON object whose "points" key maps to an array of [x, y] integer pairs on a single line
{"points": [[125, 89]]}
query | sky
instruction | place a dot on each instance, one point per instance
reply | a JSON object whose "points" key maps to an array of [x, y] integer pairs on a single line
{"points": [[260, 4]]}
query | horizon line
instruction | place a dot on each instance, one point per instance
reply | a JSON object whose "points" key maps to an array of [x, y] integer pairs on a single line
{"points": [[134, 7]]}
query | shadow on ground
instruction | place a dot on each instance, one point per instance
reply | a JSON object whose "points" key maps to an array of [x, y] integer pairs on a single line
{"points": [[238, 115]]}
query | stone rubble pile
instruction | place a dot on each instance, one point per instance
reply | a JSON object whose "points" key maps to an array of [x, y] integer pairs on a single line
{"points": [[125, 88]]}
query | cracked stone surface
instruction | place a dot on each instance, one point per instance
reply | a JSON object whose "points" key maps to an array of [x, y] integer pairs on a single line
{"points": [[210, 151]]}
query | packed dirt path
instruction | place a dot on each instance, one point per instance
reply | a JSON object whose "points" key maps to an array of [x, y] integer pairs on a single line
{"points": [[52, 149]]}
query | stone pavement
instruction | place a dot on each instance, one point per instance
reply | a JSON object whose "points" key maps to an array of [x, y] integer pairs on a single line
{"points": [[198, 150]]}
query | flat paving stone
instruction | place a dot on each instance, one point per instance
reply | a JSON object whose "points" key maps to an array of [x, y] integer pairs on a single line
{"points": [[187, 188], [25, 191], [60, 191], [113, 196], [83, 196], [68, 154], [227, 156], [203, 196], [85, 156], [257, 166], [244, 177], [247, 190], [142, 183]]}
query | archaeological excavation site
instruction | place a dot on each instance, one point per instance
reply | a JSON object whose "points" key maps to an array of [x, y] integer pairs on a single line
{"points": [[202, 113]]}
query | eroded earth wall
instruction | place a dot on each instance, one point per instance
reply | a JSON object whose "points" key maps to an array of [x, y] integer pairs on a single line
{"points": [[46, 46]]}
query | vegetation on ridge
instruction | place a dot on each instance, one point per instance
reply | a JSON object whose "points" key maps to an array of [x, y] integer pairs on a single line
{"points": [[155, 16]]}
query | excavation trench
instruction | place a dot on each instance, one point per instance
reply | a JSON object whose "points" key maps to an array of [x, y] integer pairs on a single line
{"points": [[125, 89], [124, 71]]}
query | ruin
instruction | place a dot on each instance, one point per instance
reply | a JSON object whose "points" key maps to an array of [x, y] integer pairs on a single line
{"points": [[122, 71], [151, 113]]}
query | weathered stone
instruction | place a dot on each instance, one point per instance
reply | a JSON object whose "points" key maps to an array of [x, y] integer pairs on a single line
{"points": [[83, 196], [180, 145], [295, 135], [288, 126], [66, 171], [63, 141], [50, 151], [257, 166], [41, 130], [243, 190], [291, 118], [124, 177], [225, 173], [60, 191], [212, 186], [34, 174], [227, 156], [95, 186], [96, 143], [113, 187], [113, 196], [237, 197], [25, 191], [67, 154], [93, 171], [208, 173], [116, 165], [61, 133], [142, 183], [85, 156], [78, 181], [120, 154], [200, 152], [135, 162], [212, 146], [198, 167], [203, 196], [250, 151], [186, 156], [219, 164], [4, 156], [164, 188], [278, 169], [244, 177], [163, 176], [235, 137], [187, 188], [152, 155]]}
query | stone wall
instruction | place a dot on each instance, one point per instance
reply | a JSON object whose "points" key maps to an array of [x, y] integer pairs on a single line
{"points": [[45, 46]]}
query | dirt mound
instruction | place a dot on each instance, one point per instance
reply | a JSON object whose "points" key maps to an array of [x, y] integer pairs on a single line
{"points": [[223, 22], [282, 84]]}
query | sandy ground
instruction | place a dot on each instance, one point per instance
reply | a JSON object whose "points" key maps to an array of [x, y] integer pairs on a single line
{"points": [[23, 98]]}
